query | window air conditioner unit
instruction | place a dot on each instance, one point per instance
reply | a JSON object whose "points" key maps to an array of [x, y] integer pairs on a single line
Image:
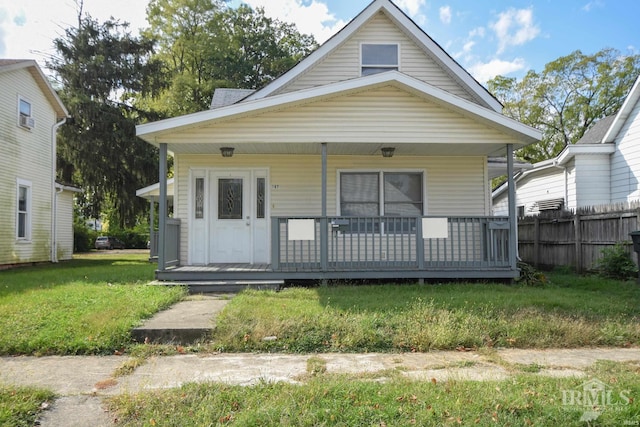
{"points": [[27, 122]]}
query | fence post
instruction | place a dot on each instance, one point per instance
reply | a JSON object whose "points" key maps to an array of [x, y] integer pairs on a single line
{"points": [[578, 242]]}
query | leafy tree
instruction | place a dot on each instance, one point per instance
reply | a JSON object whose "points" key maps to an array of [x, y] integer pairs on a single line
{"points": [[567, 97], [186, 33], [100, 66], [204, 45]]}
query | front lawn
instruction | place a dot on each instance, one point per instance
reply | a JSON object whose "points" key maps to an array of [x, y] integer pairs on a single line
{"points": [[84, 306], [570, 311], [335, 400], [20, 406]]}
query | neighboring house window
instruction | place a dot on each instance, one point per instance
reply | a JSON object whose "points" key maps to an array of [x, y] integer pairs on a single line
{"points": [[520, 211], [378, 58], [23, 214], [25, 118]]}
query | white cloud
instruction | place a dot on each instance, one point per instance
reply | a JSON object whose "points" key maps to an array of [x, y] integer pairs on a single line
{"points": [[514, 27], [592, 4], [412, 7], [310, 18], [445, 14], [477, 32], [484, 72], [468, 46]]}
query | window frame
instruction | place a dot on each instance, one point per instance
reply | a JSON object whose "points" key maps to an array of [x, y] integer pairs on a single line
{"points": [[27, 213], [21, 100], [381, 196], [384, 67]]}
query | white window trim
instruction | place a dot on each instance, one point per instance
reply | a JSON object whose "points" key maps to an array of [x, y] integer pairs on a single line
{"points": [[381, 173], [390, 67], [21, 99], [29, 212]]}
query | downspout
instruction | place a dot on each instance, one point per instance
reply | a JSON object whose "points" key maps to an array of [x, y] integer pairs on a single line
{"points": [[54, 193], [513, 217]]}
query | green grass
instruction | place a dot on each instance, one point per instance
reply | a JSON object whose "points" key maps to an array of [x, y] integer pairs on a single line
{"points": [[522, 400], [84, 306], [19, 406], [570, 311]]}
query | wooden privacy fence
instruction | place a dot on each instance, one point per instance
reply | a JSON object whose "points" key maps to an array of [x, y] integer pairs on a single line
{"points": [[576, 239]]}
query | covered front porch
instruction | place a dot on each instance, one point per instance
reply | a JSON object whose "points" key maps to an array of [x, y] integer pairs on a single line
{"points": [[384, 176], [334, 247]]}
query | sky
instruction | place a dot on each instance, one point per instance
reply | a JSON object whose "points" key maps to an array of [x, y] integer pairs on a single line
{"points": [[488, 38]]}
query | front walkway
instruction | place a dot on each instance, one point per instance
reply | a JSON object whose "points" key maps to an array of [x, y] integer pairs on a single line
{"points": [[81, 382]]}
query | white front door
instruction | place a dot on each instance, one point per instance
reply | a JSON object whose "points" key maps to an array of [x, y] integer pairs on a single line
{"points": [[230, 213], [229, 222]]}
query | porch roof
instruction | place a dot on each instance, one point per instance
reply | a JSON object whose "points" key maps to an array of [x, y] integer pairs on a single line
{"points": [[152, 192], [196, 133]]}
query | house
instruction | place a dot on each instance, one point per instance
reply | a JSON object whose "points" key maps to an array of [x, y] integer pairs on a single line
{"points": [[368, 159], [601, 168], [37, 224]]}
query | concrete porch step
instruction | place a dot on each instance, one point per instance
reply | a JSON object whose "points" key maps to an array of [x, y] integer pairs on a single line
{"points": [[183, 323]]}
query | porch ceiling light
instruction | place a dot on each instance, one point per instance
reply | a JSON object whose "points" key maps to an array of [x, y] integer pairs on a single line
{"points": [[387, 151], [226, 151]]}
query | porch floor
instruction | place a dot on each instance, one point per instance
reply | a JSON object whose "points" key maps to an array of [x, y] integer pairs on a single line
{"points": [[252, 272]]}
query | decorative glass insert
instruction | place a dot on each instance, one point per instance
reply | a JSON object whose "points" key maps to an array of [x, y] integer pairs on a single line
{"points": [[199, 198], [260, 198], [230, 198], [378, 58]]}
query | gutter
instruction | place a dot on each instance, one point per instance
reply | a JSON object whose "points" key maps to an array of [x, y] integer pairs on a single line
{"points": [[54, 191]]}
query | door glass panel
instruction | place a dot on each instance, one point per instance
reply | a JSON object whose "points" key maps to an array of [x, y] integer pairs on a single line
{"points": [[260, 198], [199, 198], [230, 198]]}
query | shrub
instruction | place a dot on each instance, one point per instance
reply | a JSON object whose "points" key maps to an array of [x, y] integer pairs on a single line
{"points": [[529, 276], [83, 238], [616, 263]]}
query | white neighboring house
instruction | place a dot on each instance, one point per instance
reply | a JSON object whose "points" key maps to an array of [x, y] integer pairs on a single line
{"points": [[602, 168], [37, 224]]}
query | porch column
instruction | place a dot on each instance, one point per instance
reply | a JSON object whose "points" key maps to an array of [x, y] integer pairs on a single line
{"points": [[324, 225], [324, 179], [513, 217], [152, 217], [162, 208]]}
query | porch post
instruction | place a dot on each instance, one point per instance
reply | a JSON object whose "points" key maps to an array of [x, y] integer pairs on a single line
{"points": [[152, 216], [324, 225], [513, 218], [162, 208]]}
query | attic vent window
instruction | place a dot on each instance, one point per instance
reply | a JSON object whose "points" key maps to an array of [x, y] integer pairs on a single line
{"points": [[378, 58]]}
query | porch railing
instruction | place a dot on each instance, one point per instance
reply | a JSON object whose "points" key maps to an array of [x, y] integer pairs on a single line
{"points": [[387, 243], [171, 245]]}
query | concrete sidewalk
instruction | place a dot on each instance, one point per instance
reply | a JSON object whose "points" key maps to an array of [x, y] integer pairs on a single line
{"points": [[81, 382]]}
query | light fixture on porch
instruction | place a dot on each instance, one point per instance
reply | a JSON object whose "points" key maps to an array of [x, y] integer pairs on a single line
{"points": [[226, 151], [387, 151]]}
